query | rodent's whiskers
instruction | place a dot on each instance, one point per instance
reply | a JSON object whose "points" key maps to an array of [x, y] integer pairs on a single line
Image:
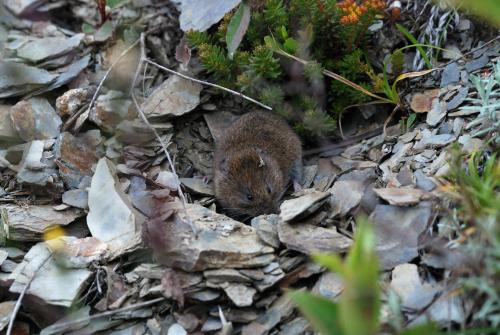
{"points": [[230, 208], [284, 191]]}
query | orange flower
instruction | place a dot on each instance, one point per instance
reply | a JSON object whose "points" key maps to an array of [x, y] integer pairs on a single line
{"points": [[351, 10]]}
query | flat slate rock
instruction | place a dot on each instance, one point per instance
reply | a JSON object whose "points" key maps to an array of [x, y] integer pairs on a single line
{"points": [[477, 63], [75, 155], [423, 182], [77, 198], [450, 74], [298, 208], [400, 196], [267, 229], [310, 239], [29, 223], [35, 119], [436, 113], [176, 96], [458, 98], [397, 230], [195, 16], [111, 217], [220, 242], [18, 79], [50, 284]]}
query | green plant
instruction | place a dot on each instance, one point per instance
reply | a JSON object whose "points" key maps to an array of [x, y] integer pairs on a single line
{"points": [[473, 184], [414, 41], [360, 299], [475, 187], [489, 9], [312, 30], [358, 310], [487, 104], [407, 123]]}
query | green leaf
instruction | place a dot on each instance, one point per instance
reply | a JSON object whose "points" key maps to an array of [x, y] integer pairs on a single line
{"points": [[413, 40], [87, 28], [283, 32], [363, 247], [237, 28], [113, 3], [291, 45], [331, 262], [361, 296], [104, 32], [411, 120], [322, 312]]}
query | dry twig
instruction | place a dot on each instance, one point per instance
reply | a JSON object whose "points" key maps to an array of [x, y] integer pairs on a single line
{"points": [[82, 116], [69, 324], [7, 164], [472, 51], [17, 306], [207, 84], [142, 60]]}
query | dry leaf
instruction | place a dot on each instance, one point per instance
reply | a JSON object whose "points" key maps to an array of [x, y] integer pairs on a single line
{"points": [[422, 102]]}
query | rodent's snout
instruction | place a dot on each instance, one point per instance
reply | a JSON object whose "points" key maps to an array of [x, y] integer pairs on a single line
{"points": [[270, 209]]}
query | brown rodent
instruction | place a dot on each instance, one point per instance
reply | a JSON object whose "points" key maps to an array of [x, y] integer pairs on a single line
{"points": [[254, 161]]}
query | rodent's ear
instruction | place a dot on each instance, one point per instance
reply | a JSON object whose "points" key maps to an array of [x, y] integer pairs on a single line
{"points": [[261, 153]]}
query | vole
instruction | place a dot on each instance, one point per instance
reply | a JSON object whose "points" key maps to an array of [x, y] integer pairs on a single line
{"points": [[254, 162]]}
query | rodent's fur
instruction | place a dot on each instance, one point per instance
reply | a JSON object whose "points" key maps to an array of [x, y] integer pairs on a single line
{"points": [[254, 161]]}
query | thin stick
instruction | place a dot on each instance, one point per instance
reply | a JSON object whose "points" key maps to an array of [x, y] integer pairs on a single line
{"points": [[8, 164], [146, 121], [207, 83], [472, 51], [389, 118], [108, 313], [101, 82], [21, 296], [344, 143]]}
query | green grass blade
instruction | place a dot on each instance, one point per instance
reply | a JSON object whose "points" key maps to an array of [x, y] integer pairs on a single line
{"points": [[413, 40]]}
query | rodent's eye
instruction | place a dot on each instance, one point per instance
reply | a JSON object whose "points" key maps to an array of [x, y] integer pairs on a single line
{"points": [[249, 196], [268, 189]]}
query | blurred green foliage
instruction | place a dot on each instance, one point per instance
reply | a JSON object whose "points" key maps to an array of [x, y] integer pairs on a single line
{"points": [[358, 309], [488, 9], [473, 183]]}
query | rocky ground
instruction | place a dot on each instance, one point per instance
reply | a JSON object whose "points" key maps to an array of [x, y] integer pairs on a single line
{"points": [[88, 189]]}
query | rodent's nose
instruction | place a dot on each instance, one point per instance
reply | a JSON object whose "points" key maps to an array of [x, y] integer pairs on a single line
{"points": [[272, 209]]}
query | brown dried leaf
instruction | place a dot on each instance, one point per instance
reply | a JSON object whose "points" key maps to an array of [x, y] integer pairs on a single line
{"points": [[183, 53], [162, 211], [422, 102]]}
